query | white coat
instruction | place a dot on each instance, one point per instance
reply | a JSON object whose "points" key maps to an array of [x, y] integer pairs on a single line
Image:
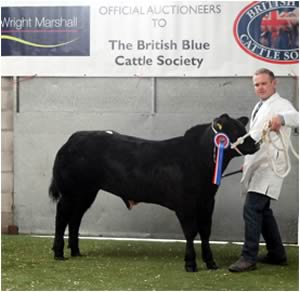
{"points": [[258, 175]]}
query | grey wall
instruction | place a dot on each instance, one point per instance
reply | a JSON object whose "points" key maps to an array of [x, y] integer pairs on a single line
{"points": [[7, 90], [50, 109]]}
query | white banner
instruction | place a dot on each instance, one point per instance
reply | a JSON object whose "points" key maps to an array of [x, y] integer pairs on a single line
{"points": [[96, 38]]}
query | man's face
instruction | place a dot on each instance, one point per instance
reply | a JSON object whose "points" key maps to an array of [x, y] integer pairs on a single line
{"points": [[264, 86]]}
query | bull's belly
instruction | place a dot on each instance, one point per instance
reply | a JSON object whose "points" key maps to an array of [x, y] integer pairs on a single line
{"points": [[164, 195]]}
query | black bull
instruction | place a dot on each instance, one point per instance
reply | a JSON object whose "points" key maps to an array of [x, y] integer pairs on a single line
{"points": [[175, 173]]}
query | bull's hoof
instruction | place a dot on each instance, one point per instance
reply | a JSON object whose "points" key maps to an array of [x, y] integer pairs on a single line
{"points": [[212, 265], [191, 268], [76, 254], [60, 258]]}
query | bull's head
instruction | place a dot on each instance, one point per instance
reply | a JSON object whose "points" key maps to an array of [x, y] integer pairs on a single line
{"points": [[235, 129]]}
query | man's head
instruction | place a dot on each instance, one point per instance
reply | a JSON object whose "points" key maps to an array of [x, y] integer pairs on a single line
{"points": [[264, 82]]}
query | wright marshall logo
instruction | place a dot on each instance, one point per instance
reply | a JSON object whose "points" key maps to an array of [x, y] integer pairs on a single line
{"points": [[269, 31], [45, 31]]}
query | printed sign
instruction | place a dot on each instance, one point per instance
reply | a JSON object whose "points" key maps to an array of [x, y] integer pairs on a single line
{"points": [[146, 39], [269, 31], [45, 31]]}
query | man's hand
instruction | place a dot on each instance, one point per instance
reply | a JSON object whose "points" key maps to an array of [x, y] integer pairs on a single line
{"points": [[276, 122]]}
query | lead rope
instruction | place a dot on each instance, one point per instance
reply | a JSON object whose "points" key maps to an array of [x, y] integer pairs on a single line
{"points": [[266, 138], [285, 151]]}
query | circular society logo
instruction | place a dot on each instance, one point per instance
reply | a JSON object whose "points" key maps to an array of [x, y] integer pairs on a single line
{"points": [[269, 31]]}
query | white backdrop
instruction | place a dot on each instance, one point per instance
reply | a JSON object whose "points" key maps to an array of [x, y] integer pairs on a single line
{"points": [[127, 38]]}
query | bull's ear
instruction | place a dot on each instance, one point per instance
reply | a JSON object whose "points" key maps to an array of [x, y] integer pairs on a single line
{"points": [[218, 122], [244, 120], [224, 116]]}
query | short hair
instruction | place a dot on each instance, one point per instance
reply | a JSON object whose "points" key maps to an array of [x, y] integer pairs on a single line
{"points": [[265, 71]]}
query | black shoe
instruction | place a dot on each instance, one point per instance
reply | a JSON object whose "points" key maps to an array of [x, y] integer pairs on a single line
{"points": [[242, 265], [272, 260]]}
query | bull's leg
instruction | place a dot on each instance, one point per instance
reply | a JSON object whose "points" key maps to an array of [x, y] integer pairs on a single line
{"points": [[73, 234], [63, 211], [207, 255], [189, 227], [204, 226], [80, 208]]}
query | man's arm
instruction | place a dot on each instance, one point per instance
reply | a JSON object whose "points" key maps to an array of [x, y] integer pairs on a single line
{"points": [[289, 119]]}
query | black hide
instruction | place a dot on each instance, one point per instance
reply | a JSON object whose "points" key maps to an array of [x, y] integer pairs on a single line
{"points": [[174, 173]]}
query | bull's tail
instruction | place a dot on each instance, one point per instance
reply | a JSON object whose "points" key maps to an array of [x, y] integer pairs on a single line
{"points": [[54, 192]]}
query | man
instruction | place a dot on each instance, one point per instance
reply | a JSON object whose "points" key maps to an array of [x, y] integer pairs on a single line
{"points": [[259, 182]]}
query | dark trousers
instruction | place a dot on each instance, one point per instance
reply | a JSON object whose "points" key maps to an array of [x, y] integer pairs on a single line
{"points": [[259, 219]]}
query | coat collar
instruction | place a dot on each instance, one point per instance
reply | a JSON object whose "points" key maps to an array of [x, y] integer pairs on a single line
{"points": [[271, 99], [264, 108]]}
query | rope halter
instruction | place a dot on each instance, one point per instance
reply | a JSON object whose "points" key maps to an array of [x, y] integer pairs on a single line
{"points": [[266, 138], [234, 145]]}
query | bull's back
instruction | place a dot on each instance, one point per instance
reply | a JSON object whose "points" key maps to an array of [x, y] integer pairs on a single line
{"points": [[135, 168], [92, 156]]}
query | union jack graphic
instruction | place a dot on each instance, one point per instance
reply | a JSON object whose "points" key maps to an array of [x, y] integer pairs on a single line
{"points": [[279, 29]]}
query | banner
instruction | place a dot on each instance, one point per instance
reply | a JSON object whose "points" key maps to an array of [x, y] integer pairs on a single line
{"points": [[190, 38], [45, 31]]}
